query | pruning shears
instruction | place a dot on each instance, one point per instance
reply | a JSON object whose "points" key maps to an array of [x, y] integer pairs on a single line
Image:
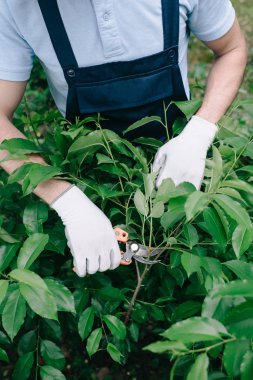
{"points": [[134, 250]]}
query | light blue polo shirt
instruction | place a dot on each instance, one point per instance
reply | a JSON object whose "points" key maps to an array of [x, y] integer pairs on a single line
{"points": [[100, 31]]}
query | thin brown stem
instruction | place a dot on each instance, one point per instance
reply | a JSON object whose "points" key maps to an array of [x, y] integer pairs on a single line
{"points": [[136, 291]]}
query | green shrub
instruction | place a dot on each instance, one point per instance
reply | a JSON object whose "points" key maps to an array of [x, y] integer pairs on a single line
{"points": [[194, 308]]}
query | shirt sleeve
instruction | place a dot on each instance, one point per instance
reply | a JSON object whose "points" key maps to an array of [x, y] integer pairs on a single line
{"points": [[210, 20], [16, 56]]}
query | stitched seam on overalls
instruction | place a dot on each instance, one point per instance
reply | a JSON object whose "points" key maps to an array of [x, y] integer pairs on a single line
{"points": [[132, 76], [133, 104]]}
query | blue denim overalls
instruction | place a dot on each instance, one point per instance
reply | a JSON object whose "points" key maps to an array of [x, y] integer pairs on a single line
{"points": [[122, 91]]}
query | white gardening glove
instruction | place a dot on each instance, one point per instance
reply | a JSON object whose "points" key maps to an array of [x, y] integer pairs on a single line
{"points": [[183, 158], [89, 232]]}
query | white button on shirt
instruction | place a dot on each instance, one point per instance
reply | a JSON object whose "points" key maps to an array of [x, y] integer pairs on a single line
{"points": [[106, 16], [100, 31], [108, 29]]}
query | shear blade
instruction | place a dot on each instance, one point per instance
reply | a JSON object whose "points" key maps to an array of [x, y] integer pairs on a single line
{"points": [[145, 261]]}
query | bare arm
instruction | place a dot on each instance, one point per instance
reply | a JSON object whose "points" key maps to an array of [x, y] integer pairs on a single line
{"points": [[226, 73], [11, 94]]}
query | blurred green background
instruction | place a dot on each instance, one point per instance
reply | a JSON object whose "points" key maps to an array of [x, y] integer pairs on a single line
{"points": [[200, 57]]}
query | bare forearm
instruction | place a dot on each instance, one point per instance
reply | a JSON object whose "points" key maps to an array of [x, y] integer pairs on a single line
{"points": [[222, 85], [48, 190], [226, 74]]}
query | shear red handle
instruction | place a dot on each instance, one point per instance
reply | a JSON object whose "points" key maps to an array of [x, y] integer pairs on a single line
{"points": [[122, 237]]}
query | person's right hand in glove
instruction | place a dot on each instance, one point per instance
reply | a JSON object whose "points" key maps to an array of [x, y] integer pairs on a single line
{"points": [[89, 232]]}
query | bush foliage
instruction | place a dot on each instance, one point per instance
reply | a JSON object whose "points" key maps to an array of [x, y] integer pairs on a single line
{"points": [[187, 317]]}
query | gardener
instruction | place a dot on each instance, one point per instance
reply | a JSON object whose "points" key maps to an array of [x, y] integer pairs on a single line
{"points": [[125, 59]]}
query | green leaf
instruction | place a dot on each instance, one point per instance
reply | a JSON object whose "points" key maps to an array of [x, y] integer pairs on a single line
{"points": [[199, 368], [239, 185], [165, 189], [238, 142], [31, 249], [49, 373], [27, 277], [86, 144], [35, 214], [217, 169], [85, 322], [211, 266], [20, 173], [52, 354], [223, 218], [107, 193], [110, 293], [247, 366], [3, 289], [23, 367], [134, 331], [7, 254], [161, 347], [156, 313], [36, 293], [141, 203], [217, 307], [247, 169], [103, 159], [6, 237], [191, 263], [242, 288], [114, 352], [27, 342], [191, 235], [57, 241], [233, 356], [19, 146], [93, 341], [70, 133], [249, 151], [186, 310], [214, 226], [141, 122], [232, 193], [41, 301], [157, 210], [149, 183], [188, 107], [113, 170], [195, 203], [63, 297], [234, 210], [240, 322], [14, 313], [15, 157], [149, 142], [115, 325], [243, 270], [136, 155], [196, 329], [175, 212], [4, 356], [241, 240], [37, 174]]}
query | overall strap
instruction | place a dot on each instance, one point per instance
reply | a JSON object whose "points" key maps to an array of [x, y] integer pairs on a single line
{"points": [[170, 9], [58, 35]]}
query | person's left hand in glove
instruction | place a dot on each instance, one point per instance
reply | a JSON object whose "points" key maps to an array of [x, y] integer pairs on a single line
{"points": [[183, 158]]}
